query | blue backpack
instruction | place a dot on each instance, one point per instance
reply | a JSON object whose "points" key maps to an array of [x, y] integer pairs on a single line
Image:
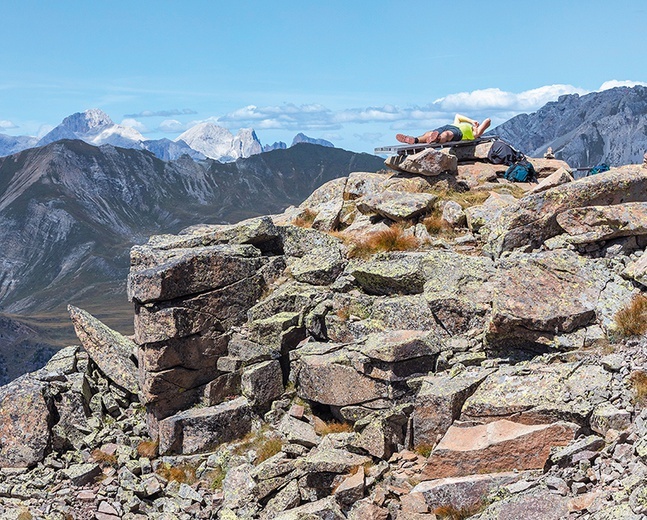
{"points": [[521, 171]]}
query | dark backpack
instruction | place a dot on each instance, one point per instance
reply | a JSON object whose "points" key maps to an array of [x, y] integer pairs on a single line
{"points": [[502, 153], [604, 167], [521, 171]]}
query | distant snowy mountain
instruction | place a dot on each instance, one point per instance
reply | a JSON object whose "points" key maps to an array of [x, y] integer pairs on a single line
{"points": [[94, 126], [302, 138], [278, 145], [168, 150], [218, 143]]}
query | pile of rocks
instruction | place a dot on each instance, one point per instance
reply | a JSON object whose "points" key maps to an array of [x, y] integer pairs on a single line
{"points": [[282, 376]]}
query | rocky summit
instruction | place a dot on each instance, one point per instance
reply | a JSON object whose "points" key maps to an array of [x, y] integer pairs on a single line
{"points": [[425, 342]]}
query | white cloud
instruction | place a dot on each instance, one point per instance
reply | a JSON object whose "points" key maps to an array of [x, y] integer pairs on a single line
{"points": [[172, 126], [284, 117], [495, 99], [162, 113], [7, 125], [624, 83], [137, 125]]}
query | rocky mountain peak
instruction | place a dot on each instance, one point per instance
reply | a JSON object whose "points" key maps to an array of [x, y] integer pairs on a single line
{"points": [[80, 125], [608, 126], [303, 138]]}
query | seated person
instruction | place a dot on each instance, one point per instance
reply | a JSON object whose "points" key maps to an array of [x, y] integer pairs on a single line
{"points": [[463, 129]]}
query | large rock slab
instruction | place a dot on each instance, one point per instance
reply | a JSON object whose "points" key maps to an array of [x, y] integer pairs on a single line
{"points": [[496, 447], [483, 214], [332, 379], [112, 352], [458, 289], [539, 295], [538, 393], [535, 505], [557, 178], [595, 223], [159, 274], [390, 273], [533, 219], [466, 493], [438, 403], [199, 429], [430, 162], [401, 345], [324, 509], [24, 423], [397, 206]]}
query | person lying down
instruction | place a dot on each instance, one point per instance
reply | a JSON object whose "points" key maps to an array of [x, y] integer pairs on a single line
{"points": [[462, 129]]}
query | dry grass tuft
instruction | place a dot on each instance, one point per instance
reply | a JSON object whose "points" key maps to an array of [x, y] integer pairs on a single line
{"points": [[267, 449], [326, 428], [25, 515], [392, 239], [457, 513], [424, 450], [184, 473], [103, 458], [436, 225], [147, 449], [263, 446], [638, 380], [343, 313], [632, 319], [305, 219]]}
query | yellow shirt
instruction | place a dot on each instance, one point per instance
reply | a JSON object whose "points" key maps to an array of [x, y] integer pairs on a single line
{"points": [[467, 130]]}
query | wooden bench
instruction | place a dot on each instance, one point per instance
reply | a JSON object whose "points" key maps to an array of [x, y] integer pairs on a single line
{"points": [[409, 149]]}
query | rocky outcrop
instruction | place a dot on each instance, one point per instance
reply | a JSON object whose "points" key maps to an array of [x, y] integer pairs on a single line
{"points": [[290, 371]]}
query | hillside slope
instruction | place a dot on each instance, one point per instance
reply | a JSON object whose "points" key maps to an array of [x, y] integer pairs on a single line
{"points": [[70, 212]]}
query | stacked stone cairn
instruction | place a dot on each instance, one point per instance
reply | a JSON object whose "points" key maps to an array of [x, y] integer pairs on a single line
{"points": [[280, 371]]}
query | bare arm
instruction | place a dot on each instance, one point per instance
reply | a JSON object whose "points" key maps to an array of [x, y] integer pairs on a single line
{"points": [[463, 119]]}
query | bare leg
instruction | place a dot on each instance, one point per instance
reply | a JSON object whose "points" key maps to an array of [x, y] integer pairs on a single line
{"points": [[427, 137], [482, 128]]}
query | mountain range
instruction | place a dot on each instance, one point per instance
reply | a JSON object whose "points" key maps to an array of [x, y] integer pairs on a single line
{"points": [[608, 126], [203, 140], [71, 211]]}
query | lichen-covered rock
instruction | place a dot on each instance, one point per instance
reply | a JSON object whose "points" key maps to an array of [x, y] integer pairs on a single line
{"points": [[481, 215], [390, 273], [166, 274], [453, 214], [533, 219], [112, 352], [538, 393], [262, 383], [606, 417], [397, 206], [401, 345], [197, 429], [557, 178], [429, 162], [319, 267], [24, 423], [465, 493], [326, 508], [438, 403], [542, 294], [595, 223]]}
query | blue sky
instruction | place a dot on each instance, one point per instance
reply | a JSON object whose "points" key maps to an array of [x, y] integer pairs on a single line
{"points": [[354, 72]]}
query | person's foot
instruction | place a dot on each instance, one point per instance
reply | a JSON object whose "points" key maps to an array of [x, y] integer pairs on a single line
{"points": [[432, 137], [408, 139]]}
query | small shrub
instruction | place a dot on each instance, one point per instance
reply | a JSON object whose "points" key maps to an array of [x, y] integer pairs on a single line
{"points": [[392, 239], [436, 225], [103, 458], [147, 449], [326, 428], [457, 513], [638, 380], [216, 477], [305, 219], [268, 449], [184, 473], [632, 319], [424, 450]]}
